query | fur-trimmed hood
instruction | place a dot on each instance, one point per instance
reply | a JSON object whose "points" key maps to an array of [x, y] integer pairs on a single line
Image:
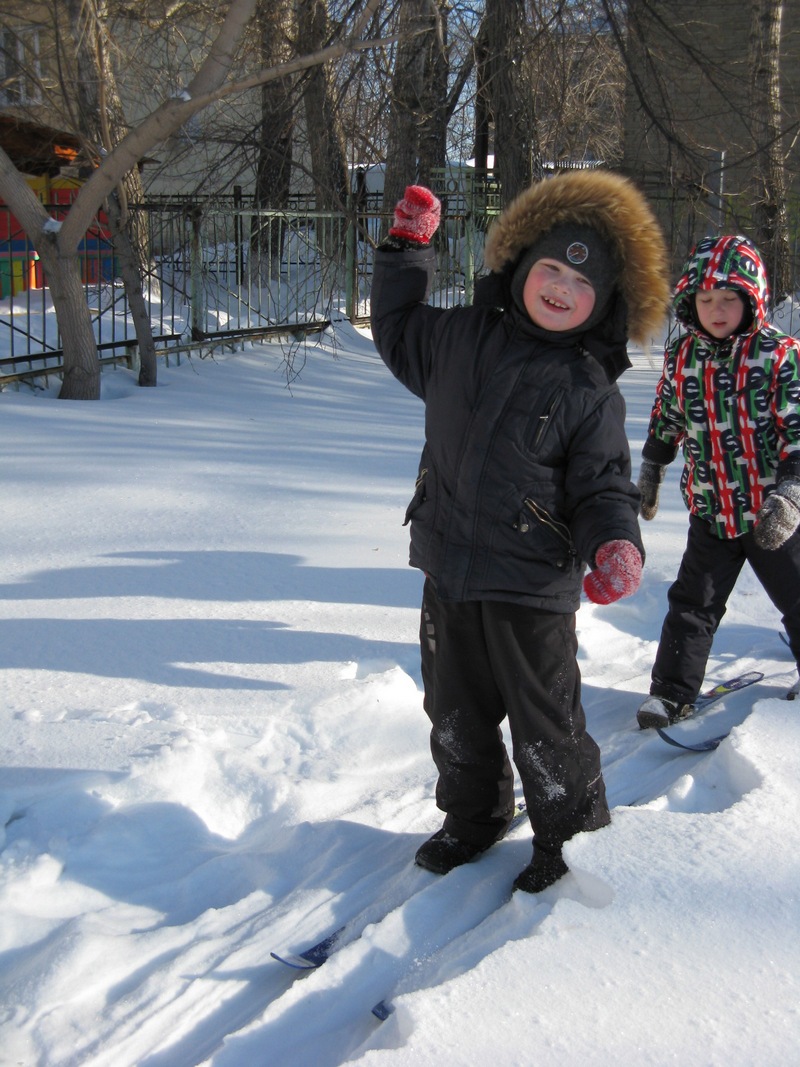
{"points": [[618, 210]]}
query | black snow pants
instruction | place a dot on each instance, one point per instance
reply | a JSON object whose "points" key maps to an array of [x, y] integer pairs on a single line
{"points": [[698, 598], [482, 662]]}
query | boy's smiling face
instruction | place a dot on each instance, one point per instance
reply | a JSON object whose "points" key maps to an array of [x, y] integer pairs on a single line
{"points": [[557, 297], [719, 311]]}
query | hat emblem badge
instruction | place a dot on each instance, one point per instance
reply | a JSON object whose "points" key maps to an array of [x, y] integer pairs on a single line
{"points": [[577, 252]]}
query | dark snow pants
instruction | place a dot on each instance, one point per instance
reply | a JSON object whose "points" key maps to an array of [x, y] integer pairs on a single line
{"points": [[482, 662], [698, 598]]}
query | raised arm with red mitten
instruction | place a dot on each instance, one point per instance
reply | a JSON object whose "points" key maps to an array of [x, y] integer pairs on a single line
{"points": [[416, 216]]}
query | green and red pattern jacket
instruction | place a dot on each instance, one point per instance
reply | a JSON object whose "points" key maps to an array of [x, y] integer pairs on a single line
{"points": [[732, 406]]}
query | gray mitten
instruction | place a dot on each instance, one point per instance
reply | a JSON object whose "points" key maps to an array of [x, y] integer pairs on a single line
{"points": [[779, 515], [651, 475]]}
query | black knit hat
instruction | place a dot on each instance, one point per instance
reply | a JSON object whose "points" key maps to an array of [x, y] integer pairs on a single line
{"points": [[583, 249]]}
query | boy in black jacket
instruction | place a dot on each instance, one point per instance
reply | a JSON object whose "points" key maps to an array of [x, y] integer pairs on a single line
{"points": [[524, 478]]}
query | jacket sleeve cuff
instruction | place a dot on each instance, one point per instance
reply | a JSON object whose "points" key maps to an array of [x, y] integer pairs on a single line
{"points": [[659, 451], [396, 242], [789, 467]]}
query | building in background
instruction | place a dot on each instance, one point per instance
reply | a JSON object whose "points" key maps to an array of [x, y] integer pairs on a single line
{"points": [[695, 131]]}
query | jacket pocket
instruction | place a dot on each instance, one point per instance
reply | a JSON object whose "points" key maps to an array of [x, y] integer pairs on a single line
{"points": [[534, 514], [419, 497], [544, 420]]}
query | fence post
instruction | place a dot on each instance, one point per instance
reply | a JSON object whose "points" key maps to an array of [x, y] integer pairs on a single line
{"points": [[351, 281], [196, 277], [469, 256], [237, 234]]}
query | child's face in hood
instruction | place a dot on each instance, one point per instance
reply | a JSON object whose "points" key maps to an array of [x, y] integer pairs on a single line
{"points": [[723, 264], [719, 311], [556, 296]]}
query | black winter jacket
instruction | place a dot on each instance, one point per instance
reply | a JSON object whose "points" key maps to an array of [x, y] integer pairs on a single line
{"points": [[526, 467]]}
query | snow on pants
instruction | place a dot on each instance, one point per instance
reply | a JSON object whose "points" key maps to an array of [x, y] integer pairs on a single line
{"points": [[482, 662], [699, 595]]}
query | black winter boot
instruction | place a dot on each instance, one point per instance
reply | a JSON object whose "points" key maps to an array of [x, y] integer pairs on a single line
{"points": [[545, 868], [660, 712], [442, 852]]}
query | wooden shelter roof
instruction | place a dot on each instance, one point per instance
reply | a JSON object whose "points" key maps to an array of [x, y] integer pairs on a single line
{"points": [[35, 148]]}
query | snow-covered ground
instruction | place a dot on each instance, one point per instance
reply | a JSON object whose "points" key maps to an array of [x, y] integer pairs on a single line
{"points": [[213, 746]]}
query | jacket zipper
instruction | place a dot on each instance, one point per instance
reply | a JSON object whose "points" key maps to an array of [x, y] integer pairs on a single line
{"points": [[559, 528], [544, 419]]}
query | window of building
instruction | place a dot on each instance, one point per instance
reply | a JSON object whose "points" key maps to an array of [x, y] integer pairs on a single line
{"points": [[20, 72]]}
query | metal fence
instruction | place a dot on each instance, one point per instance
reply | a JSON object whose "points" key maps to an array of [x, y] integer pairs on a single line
{"points": [[220, 271]]}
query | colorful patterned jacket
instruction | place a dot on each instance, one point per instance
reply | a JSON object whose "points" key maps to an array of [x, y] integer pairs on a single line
{"points": [[733, 405]]}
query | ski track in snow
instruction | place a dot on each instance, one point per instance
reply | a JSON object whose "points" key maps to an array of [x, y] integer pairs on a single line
{"points": [[214, 746]]}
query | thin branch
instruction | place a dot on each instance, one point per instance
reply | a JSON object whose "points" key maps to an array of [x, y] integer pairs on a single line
{"points": [[175, 112]]}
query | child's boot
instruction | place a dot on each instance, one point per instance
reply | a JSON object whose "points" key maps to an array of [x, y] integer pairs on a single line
{"points": [[546, 867], [660, 712], [442, 852]]}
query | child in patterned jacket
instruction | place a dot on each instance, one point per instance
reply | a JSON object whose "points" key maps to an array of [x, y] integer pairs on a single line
{"points": [[728, 397]]}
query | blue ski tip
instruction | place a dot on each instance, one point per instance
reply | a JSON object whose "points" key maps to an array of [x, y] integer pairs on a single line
{"points": [[312, 957], [299, 962], [701, 746], [733, 685], [382, 1010]]}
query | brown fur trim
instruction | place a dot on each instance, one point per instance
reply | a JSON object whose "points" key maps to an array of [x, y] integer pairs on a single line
{"points": [[614, 207]]}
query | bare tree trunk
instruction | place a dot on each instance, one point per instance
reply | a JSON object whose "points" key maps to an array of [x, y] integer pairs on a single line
{"points": [[408, 99], [274, 164], [128, 254], [100, 116], [326, 144], [483, 106], [434, 110], [326, 141], [769, 174], [81, 379], [509, 86]]}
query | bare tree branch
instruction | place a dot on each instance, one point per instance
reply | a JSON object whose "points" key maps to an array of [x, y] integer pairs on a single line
{"points": [[173, 113]]}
